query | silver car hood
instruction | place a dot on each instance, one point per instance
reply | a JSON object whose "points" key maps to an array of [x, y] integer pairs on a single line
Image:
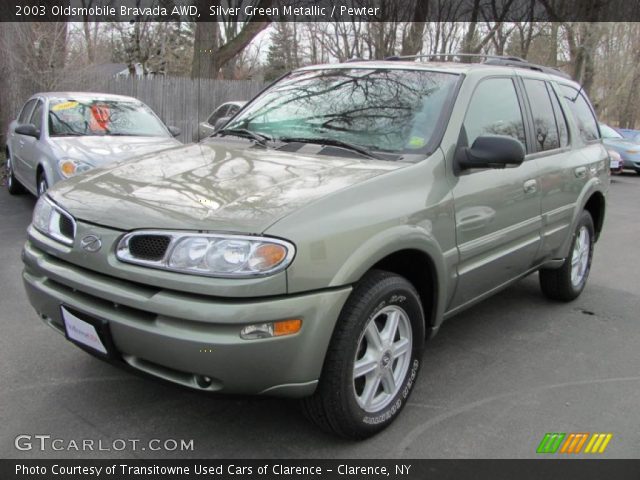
{"points": [[98, 150]]}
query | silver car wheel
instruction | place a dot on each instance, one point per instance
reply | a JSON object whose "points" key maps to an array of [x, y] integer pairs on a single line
{"points": [[9, 173], [580, 256], [382, 358]]}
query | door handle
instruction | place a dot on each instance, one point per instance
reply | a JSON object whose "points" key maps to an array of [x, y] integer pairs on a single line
{"points": [[530, 186], [21, 143], [581, 172]]}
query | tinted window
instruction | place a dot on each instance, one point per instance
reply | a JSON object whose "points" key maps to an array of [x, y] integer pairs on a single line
{"points": [[494, 110], [544, 121], [26, 111], [561, 120], [36, 117], [582, 113]]}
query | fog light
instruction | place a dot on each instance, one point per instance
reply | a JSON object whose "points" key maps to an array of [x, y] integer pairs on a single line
{"points": [[271, 329]]}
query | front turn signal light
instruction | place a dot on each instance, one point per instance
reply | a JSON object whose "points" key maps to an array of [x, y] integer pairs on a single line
{"points": [[280, 328]]}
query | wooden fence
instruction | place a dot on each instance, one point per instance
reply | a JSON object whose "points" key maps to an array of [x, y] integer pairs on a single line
{"points": [[179, 101]]}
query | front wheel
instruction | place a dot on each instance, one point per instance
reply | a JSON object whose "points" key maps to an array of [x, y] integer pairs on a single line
{"points": [[566, 283], [373, 358], [13, 185]]}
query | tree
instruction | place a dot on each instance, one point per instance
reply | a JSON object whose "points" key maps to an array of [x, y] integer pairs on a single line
{"points": [[210, 51]]}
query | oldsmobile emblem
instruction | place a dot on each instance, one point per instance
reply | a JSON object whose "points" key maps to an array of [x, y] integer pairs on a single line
{"points": [[91, 243]]}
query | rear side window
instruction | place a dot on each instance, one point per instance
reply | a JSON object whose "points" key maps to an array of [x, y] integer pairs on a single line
{"points": [[544, 120], [494, 110], [582, 113], [26, 111], [561, 120]]}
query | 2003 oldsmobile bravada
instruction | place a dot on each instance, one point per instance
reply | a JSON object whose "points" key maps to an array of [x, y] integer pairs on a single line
{"points": [[313, 244]]}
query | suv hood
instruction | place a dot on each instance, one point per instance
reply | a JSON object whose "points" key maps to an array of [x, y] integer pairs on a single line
{"points": [[208, 186], [98, 150]]}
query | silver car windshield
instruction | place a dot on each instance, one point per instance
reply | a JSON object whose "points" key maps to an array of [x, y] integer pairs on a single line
{"points": [[391, 110], [68, 117]]}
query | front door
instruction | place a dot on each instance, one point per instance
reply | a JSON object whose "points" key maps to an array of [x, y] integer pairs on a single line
{"points": [[497, 211]]}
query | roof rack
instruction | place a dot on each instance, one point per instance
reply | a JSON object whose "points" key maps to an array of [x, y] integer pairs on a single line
{"points": [[500, 60]]}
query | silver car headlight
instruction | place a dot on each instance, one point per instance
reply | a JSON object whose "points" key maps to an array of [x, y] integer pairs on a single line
{"points": [[69, 167], [53, 221], [209, 254]]}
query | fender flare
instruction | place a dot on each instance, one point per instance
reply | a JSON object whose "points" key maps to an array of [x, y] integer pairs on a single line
{"points": [[394, 240]]}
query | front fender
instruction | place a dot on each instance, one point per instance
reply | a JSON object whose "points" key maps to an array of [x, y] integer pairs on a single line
{"points": [[393, 240]]}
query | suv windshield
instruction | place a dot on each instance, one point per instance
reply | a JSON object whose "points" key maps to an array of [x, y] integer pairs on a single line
{"points": [[99, 117], [389, 110]]}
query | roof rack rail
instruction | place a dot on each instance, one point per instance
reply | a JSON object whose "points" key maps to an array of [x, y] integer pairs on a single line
{"points": [[500, 60]]}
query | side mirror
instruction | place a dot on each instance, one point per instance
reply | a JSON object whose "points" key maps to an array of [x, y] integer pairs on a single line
{"points": [[491, 151], [221, 122], [174, 131], [28, 129]]}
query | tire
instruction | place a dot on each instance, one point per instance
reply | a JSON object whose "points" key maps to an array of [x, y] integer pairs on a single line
{"points": [[359, 406], [566, 283], [42, 184], [13, 185]]}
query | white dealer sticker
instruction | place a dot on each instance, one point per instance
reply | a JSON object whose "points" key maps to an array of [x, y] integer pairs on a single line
{"points": [[82, 332]]}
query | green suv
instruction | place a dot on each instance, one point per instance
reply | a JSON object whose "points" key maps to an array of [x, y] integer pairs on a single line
{"points": [[311, 246]]}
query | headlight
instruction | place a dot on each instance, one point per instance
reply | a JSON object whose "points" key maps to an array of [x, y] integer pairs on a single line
{"points": [[69, 167], [213, 255], [632, 151], [54, 222]]}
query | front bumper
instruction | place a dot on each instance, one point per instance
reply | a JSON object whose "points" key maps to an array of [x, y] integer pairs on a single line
{"points": [[181, 337]]}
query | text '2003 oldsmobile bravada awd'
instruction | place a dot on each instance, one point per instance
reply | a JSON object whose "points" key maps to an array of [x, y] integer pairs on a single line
{"points": [[311, 246]]}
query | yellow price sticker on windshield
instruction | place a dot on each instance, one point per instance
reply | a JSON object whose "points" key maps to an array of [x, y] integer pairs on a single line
{"points": [[64, 106], [416, 142]]}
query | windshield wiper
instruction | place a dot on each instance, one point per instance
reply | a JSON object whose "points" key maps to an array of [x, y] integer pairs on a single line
{"points": [[362, 150], [260, 138]]}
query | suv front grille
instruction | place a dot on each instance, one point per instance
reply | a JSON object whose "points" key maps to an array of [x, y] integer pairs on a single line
{"points": [[149, 247]]}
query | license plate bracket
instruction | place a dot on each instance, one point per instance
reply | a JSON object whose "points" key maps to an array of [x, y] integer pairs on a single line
{"points": [[90, 333]]}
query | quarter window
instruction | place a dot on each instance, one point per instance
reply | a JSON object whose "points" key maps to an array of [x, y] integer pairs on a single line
{"points": [[561, 120], [582, 113], [36, 116], [544, 121], [26, 111], [494, 110]]}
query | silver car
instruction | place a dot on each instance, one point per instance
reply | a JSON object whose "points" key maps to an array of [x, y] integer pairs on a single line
{"points": [[60, 134], [226, 111]]}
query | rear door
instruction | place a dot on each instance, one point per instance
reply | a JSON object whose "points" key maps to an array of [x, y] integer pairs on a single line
{"points": [[566, 161], [497, 210]]}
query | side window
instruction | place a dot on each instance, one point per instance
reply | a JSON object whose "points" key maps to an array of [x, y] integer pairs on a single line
{"points": [[494, 110], [26, 111], [561, 120], [544, 121], [36, 117], [217, 114], [582, 112]]}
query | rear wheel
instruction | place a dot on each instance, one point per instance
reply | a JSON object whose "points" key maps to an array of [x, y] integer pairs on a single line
{"points": [[566, 283], [373, 359], [13, 185]]}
